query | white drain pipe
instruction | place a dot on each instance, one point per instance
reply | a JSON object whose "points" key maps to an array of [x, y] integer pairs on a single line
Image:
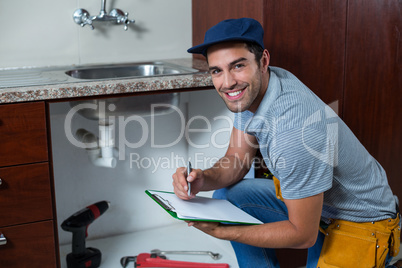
{"points": [[101, 152]]}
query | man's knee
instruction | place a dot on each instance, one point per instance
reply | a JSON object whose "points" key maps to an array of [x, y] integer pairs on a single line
{"points": [[232, 191], [246, 189], [251, 191], [220, 193]]}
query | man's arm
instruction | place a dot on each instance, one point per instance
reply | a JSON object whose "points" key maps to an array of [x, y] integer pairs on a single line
{"points": [[234, 165], [226, 171], [300, 231]]}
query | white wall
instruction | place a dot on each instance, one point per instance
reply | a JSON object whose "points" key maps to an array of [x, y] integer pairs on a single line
{"points": [[211, 128], [78, 183], [43, 33]]}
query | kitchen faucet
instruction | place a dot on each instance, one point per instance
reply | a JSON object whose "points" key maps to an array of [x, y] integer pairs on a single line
{"points": [[117, 16]]}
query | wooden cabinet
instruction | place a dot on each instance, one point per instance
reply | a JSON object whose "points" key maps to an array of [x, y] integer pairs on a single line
{"points": [[25, 194], [308, 39], [22, 133], [373, 82], [28, 245], [26, 221], [207, 13]]}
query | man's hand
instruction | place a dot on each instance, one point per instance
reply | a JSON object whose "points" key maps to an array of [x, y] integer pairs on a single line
{"points": [[299, 231], [181, 180], [211, 228]]}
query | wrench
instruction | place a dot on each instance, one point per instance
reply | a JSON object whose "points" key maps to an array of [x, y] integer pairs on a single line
{"points": [[157, 252]]}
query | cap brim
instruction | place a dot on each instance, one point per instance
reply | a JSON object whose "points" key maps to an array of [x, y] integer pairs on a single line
{"points": [[202, 48]]}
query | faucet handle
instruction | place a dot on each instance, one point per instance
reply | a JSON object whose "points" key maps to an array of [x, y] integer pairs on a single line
{"points": [[127, 21], [82, 17], [121, 17]]}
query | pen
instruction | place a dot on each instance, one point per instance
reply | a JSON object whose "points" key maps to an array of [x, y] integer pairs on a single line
{"points": [[189, 169]]}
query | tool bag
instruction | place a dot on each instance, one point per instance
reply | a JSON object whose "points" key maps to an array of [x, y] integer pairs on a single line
{"points": [[277, 185], [351, 244]]}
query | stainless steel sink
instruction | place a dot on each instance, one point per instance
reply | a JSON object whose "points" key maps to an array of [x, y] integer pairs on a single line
{"points": [[145, 69], [67, 74]]}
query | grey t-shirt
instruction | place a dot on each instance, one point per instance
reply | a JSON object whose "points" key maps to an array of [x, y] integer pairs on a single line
{"points": [[311, 150]]}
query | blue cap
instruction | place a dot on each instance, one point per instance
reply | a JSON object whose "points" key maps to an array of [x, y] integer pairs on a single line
{"points": [[244, 29]]}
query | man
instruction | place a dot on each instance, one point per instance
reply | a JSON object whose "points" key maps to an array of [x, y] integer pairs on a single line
{"points": [[325, 182]]}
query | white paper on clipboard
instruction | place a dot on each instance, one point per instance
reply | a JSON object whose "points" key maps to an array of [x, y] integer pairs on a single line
{"points": [[204, 208]]}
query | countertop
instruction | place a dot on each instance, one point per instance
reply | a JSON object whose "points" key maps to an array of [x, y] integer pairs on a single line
{"points": [[77, 88]]}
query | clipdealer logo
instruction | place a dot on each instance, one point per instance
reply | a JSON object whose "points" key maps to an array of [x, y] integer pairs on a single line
{"points": [[187, 129], [146, 133], [330, 153]]}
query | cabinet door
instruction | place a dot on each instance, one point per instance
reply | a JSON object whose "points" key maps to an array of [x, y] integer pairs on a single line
{"points": [[28, 245], [22, 133], [207, 13], [25, 194], [308, 39], [373, 88]]}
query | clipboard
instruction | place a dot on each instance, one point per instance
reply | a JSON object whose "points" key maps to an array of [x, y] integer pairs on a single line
{"points": [[201, 209]]}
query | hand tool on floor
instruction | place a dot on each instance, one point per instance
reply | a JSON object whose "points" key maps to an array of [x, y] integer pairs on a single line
{"points": [[78, 224], [159, 260], [157, 252]]}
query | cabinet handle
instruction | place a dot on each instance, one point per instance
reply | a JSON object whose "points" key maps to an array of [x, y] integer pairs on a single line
{"points": [[3, 240], [1, 182]]}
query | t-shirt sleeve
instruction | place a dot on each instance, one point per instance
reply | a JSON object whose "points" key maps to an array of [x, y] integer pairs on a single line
{"points": [[304, 160], [241, 119]]}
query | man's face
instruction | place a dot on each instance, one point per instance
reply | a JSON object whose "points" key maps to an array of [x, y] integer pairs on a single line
{"points": [[237, 77]]}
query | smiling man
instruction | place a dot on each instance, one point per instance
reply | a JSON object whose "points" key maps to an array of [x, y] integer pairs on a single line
{"points": [[238, 78], [328, 194]]}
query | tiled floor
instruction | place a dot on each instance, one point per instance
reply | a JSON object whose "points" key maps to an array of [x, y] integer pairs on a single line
{"points": [[174, 237], [168, 238]]}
